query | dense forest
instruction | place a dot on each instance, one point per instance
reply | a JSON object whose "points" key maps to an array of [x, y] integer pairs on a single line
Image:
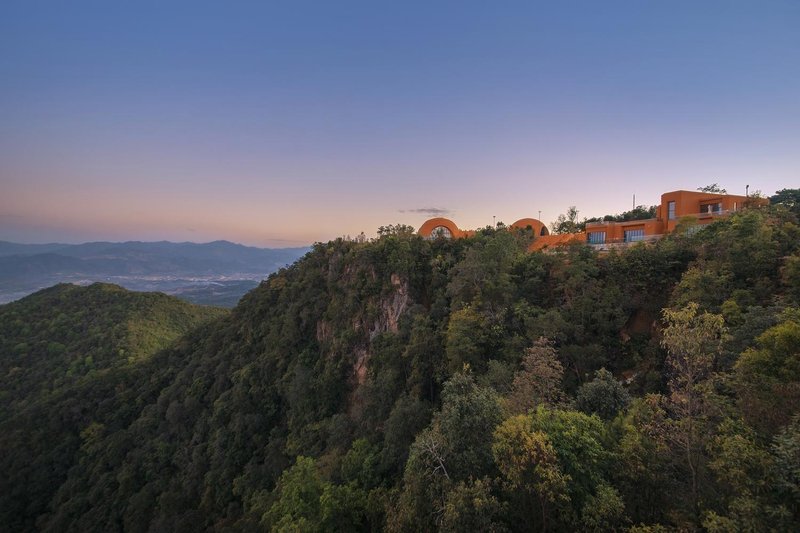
{"points": [[404, 384]]}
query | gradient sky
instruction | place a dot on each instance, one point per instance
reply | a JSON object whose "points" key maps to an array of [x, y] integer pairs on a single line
{"points": [[285, 123]]}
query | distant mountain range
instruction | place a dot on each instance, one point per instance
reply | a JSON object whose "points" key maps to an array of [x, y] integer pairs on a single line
{"points": [[216, 273]]}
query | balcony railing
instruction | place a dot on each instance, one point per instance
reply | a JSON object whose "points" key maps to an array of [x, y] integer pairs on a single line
{"points": [[621, 243], [704, 214]]}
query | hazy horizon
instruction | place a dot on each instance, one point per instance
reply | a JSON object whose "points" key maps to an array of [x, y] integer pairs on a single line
{"points": [[280, 125], [128, 241]]}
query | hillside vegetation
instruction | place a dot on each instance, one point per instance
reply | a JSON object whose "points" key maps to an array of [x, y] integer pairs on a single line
{"points": [[66, 352], [464, 385]]}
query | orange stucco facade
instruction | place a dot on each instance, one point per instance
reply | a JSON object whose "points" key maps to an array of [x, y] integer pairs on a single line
{"points": [[703, 207]]}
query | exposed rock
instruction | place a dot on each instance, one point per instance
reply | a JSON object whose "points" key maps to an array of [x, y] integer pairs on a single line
{"points": [[324, 331], [392, 308]]}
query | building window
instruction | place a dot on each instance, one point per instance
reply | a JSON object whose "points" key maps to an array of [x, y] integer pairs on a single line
{"points": [[441, 231], [711, 208], [633, 235], [671, 210], [597, 237]]}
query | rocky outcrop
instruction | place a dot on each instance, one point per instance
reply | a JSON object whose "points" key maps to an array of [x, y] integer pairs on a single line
{"points": [[391, 308]]}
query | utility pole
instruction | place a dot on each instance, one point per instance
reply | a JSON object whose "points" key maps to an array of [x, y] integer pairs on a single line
{"points": [[494, 221]]}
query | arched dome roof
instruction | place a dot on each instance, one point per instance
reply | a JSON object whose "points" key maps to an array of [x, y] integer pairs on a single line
{"points": [[538, 226], [432, 227]]}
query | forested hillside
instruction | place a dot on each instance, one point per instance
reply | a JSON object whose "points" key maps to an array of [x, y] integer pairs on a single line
{"points": [[455, 385], [68, 357]]}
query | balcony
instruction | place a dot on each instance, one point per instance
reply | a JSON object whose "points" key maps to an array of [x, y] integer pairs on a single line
{"points": [[710, 214]]}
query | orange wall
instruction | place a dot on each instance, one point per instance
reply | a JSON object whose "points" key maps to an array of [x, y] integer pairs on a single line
{"points": [[689, 203]]}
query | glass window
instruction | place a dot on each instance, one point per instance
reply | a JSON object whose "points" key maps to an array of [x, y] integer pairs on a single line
{"points": [[597, 237], [441, 231], [632, 235], [671, 210]]}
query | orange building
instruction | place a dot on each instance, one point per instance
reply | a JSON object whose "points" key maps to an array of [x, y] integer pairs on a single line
{"points": [[703, 207]]}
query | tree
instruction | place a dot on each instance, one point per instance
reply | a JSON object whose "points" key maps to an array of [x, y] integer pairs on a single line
{"points": [[466, 421], [713, 188], [399, 230], [693, 341], [456, 446], [604, 510], [642, 470], [465, 340], [768, 375], [297, 503], [471, 506], [603, 396], [567, 223], [639, 212], [790, 277], [578, 440], [529, 465], [745, 476], [786, 451], [788, 198], [343, 508], [483, 277], [539, 381]]}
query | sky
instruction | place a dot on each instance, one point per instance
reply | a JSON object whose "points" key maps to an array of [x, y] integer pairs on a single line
{"points": [[287, 123]]}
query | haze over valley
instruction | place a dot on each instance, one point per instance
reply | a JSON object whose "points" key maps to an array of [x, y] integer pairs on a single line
{"points": [[216, 273]]}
